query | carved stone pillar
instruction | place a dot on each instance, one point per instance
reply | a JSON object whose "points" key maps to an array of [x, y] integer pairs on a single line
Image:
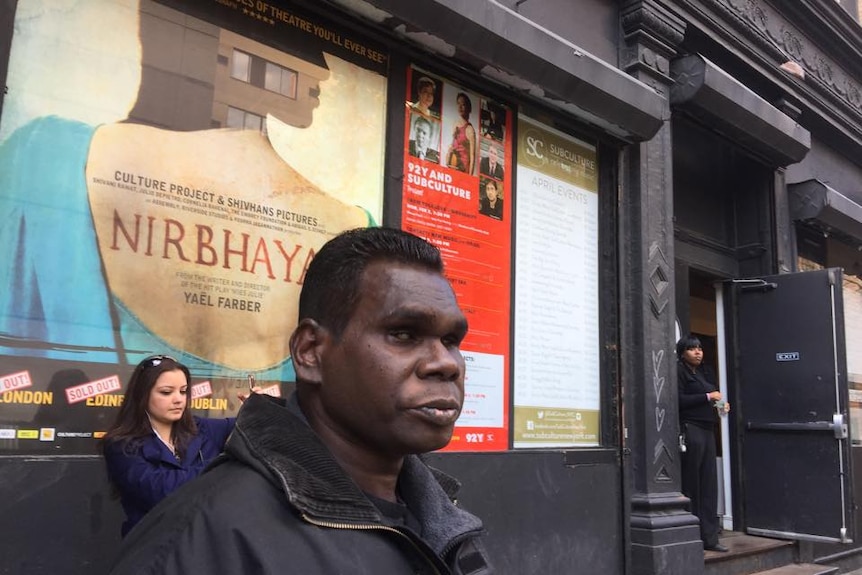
{"points": [[664, 536]]}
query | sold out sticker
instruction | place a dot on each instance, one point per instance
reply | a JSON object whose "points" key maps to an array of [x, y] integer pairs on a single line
{"points": [[15, 381], [92, 389], [273, 390], [202, 389]]}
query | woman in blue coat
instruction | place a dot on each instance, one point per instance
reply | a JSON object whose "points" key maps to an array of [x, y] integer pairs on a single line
{"points": [[155, 445]]}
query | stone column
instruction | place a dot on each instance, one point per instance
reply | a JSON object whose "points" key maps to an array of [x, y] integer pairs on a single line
{"points": [[664, 536]]}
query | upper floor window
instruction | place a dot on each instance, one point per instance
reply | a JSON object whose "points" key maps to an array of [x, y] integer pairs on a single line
{"points": [[263, 74], [241, 66], [281, 80]]}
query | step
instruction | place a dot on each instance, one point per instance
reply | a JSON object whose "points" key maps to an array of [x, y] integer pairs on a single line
{"points": [[748, 555], [801, 569]]}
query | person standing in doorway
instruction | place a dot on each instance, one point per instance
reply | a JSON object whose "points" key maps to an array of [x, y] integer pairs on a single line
{"points": [[699, 401]]}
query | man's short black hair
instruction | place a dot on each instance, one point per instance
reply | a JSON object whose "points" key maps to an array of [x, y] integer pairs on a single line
{"points": [[685, 343], [331, 289]]}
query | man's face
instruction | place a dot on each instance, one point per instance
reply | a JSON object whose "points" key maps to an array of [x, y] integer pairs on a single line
{"points": [[393, 384], [491, 191], [492, 155], [422, 135]]}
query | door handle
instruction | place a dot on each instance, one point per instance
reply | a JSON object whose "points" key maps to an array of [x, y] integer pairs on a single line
{"points": [[837, 426]]}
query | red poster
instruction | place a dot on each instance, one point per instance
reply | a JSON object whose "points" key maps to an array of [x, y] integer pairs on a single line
{"points": [[457, 195]]}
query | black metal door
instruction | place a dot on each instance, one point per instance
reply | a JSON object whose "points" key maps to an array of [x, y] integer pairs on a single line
{"points": [[789, 394]]}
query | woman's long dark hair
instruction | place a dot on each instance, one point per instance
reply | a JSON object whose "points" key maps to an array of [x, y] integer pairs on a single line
{"points": [[133, 424]]}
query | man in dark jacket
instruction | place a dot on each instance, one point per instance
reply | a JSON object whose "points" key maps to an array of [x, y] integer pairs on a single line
{"points": [[330, 481]]}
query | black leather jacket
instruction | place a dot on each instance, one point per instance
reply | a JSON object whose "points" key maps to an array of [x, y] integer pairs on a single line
{"points": [[277, 502]]}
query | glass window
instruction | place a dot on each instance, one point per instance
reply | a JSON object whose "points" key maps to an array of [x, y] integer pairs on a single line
{"points": [[240, 66], [272, 79], [234, 117], [241, 119], [281, 80], [288, 83], [252, 121]]}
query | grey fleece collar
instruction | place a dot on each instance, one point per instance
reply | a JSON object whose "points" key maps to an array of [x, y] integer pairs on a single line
{"points": [[272, 436]]}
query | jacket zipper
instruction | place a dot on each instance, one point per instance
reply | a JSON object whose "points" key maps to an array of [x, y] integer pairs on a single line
{"points": [[452, 544], [369, 527]]}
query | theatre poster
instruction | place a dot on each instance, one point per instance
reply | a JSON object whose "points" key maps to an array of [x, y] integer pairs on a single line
{"points": [[168, 169], [457, 194]]}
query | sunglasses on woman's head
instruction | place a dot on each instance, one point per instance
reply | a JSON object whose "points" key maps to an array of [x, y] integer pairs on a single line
{"points": [[157, 360]]}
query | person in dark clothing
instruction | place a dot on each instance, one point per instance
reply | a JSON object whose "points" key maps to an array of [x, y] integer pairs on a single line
{"points": [[331, 481], [699, 399]]}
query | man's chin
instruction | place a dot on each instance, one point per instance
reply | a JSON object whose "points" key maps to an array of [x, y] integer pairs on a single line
{"points": [[429, 444]]}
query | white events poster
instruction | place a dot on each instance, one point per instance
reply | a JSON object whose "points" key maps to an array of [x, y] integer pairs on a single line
{"points": [[556, 363]]}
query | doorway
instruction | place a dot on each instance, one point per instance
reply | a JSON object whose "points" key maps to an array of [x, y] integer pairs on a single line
{"points": [[705, 321], [723, 229]]}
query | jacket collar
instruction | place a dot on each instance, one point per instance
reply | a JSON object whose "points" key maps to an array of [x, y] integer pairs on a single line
{"points": [[154, 449], [273, 437]]}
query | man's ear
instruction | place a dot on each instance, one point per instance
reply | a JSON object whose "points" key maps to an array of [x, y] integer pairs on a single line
{"points": [[306, 347]]}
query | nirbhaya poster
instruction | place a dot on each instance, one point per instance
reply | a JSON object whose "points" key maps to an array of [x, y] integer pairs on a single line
{"points": [[457, 195], [167, 171]]}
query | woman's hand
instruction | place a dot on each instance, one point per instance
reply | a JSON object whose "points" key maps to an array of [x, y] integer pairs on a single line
{"points": [[243, 396]]}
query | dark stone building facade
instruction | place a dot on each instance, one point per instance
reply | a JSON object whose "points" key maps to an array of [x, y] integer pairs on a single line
{"points": [[729, 143]]}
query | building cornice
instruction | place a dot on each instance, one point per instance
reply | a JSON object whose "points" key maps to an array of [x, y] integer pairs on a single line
{"points": [[818, 36], [798, 41]]}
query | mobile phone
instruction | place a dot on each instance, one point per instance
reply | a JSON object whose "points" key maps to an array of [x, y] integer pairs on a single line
{"points": [[250, 381]]}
